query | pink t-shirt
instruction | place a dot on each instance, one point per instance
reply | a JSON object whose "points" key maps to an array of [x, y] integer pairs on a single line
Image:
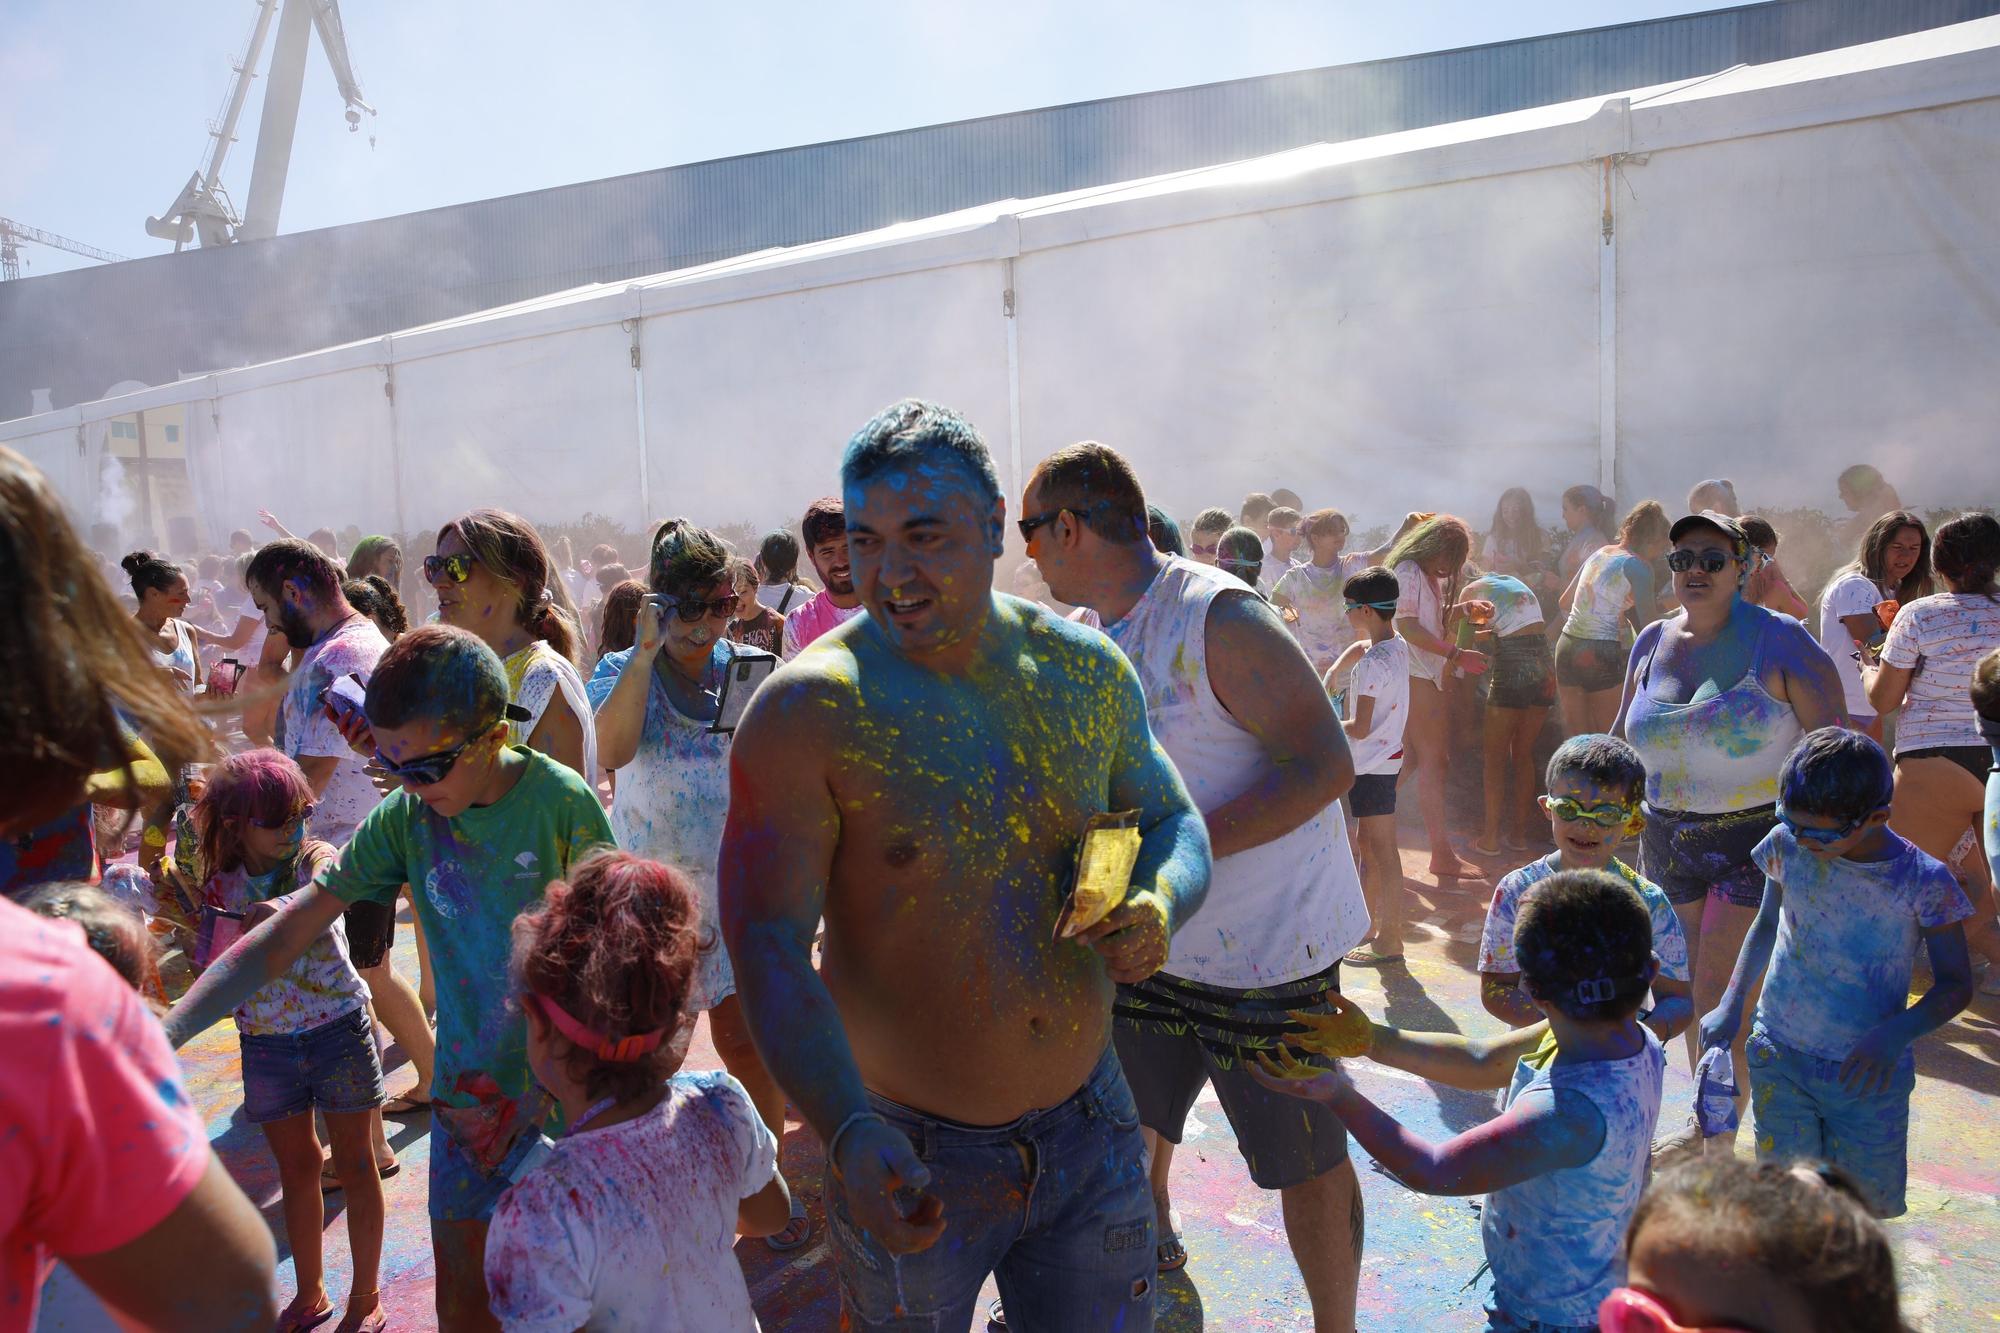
{"points": [[805, 623], [98, 1141]]}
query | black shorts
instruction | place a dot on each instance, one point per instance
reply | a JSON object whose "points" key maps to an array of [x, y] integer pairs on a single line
{"points": [[1974, 759], [1372, 794], [1693, 856], [1590, 664], [1174, 1035], [371, 930], [1522, 675]]}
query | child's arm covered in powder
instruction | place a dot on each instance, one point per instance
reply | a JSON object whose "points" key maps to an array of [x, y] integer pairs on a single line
{"points": [[1720, 1025], [1542, 1132]]}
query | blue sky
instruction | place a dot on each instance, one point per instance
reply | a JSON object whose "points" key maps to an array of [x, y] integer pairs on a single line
{"points": [[104, 104]]}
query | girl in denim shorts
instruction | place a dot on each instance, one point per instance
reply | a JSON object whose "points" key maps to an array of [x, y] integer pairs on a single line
{"points": [[306, 1037]]}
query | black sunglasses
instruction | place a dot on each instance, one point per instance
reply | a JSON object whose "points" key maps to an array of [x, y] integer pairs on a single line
{"points": [[306, 813], [1711, 562], [430, 769], [1027, 526]]}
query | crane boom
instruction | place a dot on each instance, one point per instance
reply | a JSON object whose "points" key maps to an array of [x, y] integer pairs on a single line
{"points": [[202, 212], [10, 253]]}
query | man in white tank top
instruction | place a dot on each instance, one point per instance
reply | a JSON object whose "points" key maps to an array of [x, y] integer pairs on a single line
{"points": [[1237, 706]]}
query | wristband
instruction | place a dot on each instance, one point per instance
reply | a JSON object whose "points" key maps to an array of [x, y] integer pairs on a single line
{"points": [[833, 1144]]}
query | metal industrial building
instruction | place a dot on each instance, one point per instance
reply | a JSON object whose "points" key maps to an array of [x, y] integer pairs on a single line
{"points": [[74, 335]]}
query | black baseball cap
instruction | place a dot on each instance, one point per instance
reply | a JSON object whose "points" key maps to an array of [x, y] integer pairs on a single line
{"points": [[1739, 540]]}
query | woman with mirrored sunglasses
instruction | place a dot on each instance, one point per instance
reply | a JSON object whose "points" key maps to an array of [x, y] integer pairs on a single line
{"points": [[494, 578], [655, 704], [1715, 697]]}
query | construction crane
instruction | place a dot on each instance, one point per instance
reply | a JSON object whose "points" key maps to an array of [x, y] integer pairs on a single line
{"points": [[202, 213], [12, 232]]}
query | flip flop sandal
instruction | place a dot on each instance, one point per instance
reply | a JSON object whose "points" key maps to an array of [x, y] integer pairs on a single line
{"points": [[329, 1181], [406, 1106], [310, 1319], [1369, 958], [996, 1318], [798, 1234], [1172, 1253]]}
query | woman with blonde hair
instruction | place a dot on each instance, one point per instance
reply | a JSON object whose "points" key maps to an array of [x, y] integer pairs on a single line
{"points": [[494, 578]]}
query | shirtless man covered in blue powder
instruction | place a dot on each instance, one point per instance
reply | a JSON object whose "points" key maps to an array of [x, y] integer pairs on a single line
{"points": [[921, 778]]}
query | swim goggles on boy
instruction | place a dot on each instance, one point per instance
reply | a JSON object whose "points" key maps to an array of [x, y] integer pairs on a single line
{"points": [[1608, 815], [1825, 837], [1628, 1310], [1383, 607], [456, 567], [1711, 562]]}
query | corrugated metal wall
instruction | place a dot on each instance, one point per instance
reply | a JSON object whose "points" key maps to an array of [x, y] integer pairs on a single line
{"points": [[77, 333]]}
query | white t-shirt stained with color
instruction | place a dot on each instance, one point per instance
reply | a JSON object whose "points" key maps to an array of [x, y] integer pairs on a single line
{"points": [[1383, 674], [1418, 600], [305, 731], [1848, 934], [535, 674], [1852, 594], [631, 1227], [1942, 637], [1496, 941]]}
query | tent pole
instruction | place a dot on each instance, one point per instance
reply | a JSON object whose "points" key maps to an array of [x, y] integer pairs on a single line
{"points": [[1016, 481], [1607, 341], [395, 437], [635, 326]]}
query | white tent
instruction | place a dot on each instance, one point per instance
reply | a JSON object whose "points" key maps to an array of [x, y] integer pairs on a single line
{"points": [[1766, 274]]}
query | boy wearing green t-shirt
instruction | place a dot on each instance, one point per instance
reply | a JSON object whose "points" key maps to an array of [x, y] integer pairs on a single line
{"points": [[477, 830]]}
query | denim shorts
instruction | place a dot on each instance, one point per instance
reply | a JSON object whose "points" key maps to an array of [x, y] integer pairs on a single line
{"points": [[331, 1068], [1522, 676], [1590, 664], [1803, 1111], [1055, 1205], [1499, 1321], [461, 1189], [1694, 856]]}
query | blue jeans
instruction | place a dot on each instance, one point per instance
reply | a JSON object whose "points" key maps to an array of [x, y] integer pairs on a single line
{"points": [[1056, 1205], [1803, 1111], [332, 1067], [1499, 1321]]}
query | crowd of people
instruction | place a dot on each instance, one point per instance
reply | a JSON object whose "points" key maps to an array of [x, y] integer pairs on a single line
{"points": [[1706, 815]]}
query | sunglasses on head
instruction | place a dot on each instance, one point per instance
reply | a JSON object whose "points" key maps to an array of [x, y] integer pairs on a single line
{"points": [[1608, 815], [288, 820], [428, 770], [691, 610], [1824, 837], [1711, 562], [1629, 1310], [458, 568]]}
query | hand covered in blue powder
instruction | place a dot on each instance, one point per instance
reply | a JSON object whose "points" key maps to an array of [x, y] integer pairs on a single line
{"points": [[1871, 1065], [1292, 1076], [876, 1164], [1719, 1026]]}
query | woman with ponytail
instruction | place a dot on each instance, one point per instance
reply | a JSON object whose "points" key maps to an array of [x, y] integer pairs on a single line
{"points": [[494, 578], [1429, 563], [1588, 514]]}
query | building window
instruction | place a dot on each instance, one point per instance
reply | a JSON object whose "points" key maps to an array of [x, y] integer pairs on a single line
{"points": [[124, 430], [173, 435]]}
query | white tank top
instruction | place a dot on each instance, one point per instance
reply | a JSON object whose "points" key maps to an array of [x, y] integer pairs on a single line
{"points": [[182, 658], [1278, 912]]}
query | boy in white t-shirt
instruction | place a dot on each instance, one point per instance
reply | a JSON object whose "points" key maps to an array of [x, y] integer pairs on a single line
{"points": [[1376, 671]]}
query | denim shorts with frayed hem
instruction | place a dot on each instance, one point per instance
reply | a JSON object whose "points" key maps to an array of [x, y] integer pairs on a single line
{"points": [[1803, 1111], [331, 1068]]}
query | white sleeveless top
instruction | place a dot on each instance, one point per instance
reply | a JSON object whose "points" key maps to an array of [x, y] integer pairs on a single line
{"points": [[182, 658], [535, 675], [1278, 912]]}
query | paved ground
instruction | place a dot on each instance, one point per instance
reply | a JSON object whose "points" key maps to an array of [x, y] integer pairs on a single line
{"points": [[1423, 1254]]}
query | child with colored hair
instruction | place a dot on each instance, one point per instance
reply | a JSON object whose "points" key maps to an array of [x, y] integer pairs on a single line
{"points": [[629, 1220], [306, 1039], [478, 829], [1719, 1243], [1595, 787], [1563, 1165], [1372, 675], [1846, 903]]}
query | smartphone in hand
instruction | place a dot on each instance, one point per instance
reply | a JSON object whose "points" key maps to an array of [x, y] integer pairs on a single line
{"points": [[346, 699]]}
